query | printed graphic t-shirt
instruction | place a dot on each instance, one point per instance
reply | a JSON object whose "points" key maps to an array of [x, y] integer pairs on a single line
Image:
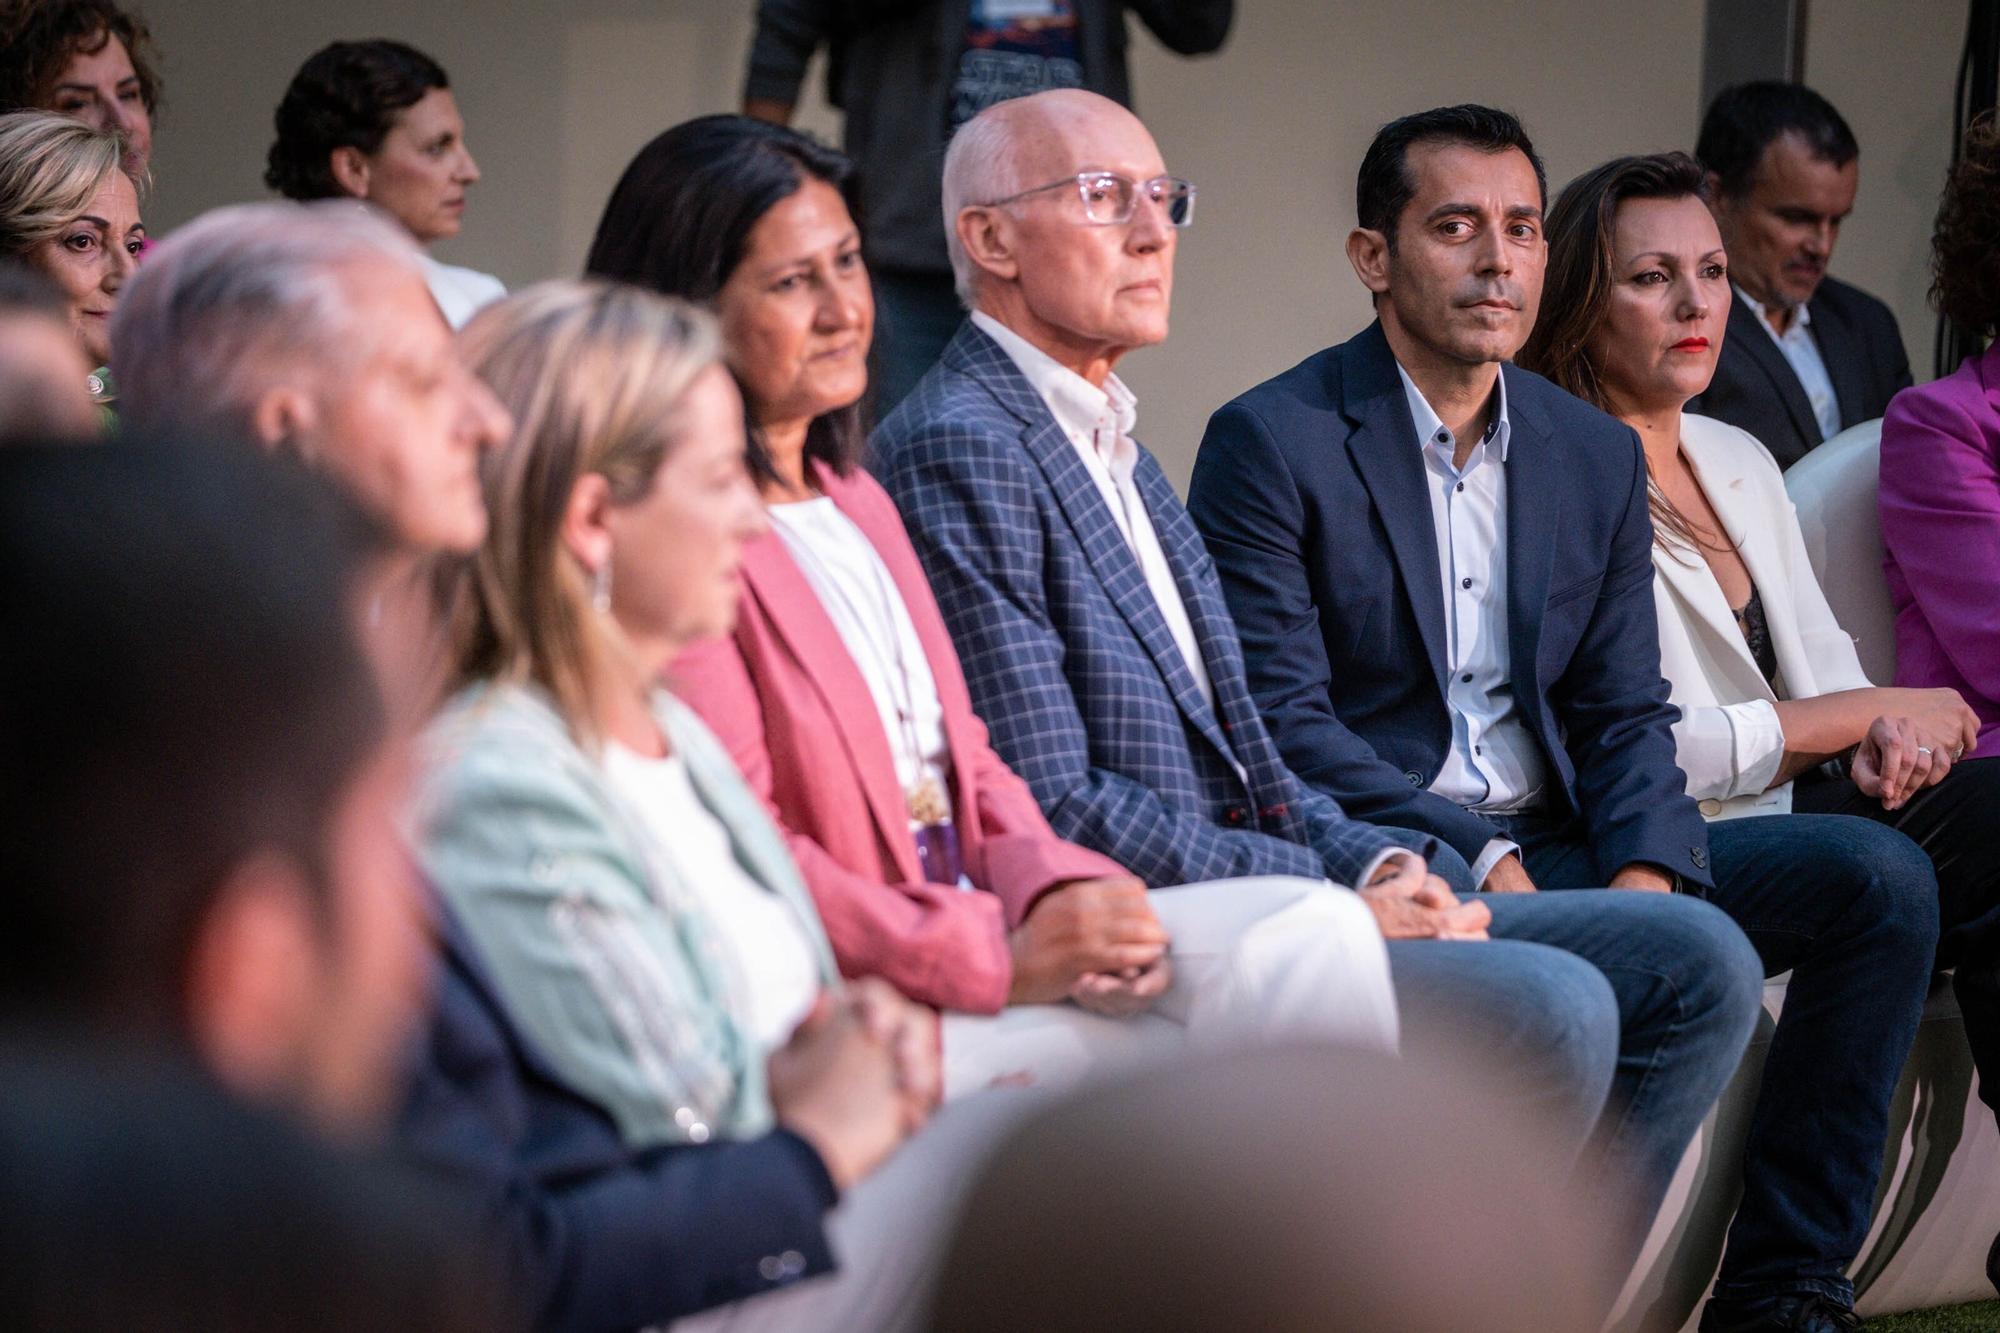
{"points": [[1014, 48]]}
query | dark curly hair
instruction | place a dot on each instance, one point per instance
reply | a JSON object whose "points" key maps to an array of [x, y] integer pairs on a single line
{"points": [[346, 95], [681, 215], [1965, 245], [38, 38]]}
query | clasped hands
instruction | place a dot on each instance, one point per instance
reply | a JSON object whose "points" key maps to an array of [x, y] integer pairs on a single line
{"points": [[1903, 753], [1094, 941]]}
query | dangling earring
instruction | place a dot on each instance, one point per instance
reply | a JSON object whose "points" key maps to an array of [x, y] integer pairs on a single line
{"points": [[600, 588]]}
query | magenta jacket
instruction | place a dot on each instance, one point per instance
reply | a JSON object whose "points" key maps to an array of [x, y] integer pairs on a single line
{"points": [[1940, 501], [796, 714]]}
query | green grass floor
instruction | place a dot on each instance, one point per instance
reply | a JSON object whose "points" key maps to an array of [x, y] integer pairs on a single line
{"points": [[1981, 1318]]}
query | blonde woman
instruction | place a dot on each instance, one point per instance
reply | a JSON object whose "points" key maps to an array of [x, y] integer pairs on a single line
{"points": [[68, 209], [640, 915]]}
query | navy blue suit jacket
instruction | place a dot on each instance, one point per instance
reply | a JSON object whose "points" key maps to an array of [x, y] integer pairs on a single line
{"points": [[593, 1234], [1310, 490], [1071, 664]]}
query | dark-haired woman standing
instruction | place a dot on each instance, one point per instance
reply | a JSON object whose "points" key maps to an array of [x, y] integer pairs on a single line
{"points": [[377, 121]]}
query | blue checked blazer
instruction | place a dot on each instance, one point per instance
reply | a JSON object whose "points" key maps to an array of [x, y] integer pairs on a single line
{"points": [[1072, 665]]}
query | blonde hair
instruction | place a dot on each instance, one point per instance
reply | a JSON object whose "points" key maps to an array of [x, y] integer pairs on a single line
{"points": [[595, 375], [51, 167]]}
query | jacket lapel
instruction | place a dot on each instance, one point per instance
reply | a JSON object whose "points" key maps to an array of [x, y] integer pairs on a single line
{"points": [[1384, 447], [1720, 468], [1844, 356], [1104, 546], [795, 613], [1748, 332], [1534, 510]]}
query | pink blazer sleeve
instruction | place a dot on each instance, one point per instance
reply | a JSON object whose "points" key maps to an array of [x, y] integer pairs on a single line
{"points": [[935, 943], [1940, 505]]}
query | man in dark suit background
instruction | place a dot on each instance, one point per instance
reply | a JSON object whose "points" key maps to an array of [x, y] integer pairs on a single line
{"points": [[1806, 355], [1440, 566]]}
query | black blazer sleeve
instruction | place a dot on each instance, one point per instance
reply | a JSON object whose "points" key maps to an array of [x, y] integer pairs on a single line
{"points": [[1617, 722], [1187, 27], [1246, 501], [588, 1233]]}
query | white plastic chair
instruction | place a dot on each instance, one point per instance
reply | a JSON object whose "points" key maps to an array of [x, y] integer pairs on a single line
{"points": [[1833, 487]]}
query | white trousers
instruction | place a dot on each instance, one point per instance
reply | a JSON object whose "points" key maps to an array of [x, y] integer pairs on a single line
{"points": [[1256, 960]]}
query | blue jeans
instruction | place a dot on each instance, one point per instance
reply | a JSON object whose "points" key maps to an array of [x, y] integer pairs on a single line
{"points": [[1850, 907], [1624, 1016]]}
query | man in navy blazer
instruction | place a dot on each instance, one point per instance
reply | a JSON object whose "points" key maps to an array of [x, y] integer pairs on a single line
{"points": [[1453, 656], [1102, 657]]}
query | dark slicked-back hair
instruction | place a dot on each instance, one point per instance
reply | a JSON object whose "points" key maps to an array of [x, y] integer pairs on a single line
{"points": [[1742, 121], [680, 219], [346, 95], [1383, 188], [38, 39], [181, 691]]}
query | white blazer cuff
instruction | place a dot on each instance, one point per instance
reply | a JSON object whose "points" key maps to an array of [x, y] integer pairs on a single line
{"points": [[1730, 749]]}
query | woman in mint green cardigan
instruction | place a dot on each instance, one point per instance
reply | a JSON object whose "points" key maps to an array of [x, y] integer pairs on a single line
{"points": [[641, 916]]}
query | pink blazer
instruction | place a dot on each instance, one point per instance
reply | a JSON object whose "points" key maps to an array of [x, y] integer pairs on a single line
{"points": [[1940, 503], [795, 712]]}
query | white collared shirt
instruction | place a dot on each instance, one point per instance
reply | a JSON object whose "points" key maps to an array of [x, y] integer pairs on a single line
{"points": [[1494, 765], [1099, 423], [1801, 352]]}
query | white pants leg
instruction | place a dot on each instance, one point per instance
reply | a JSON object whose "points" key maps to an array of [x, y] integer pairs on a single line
{"points": [[888, 1233], [1260, 959]]}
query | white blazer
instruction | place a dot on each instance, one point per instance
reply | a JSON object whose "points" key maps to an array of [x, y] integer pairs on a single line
{"points": [[1728, 739]]}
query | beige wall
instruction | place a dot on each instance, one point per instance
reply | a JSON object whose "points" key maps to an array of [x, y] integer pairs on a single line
{"points": [[1889, 66], [558, 95]]}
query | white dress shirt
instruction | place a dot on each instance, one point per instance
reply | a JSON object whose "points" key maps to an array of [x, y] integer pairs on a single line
{"points": [[1801, 352], [460, 292], [1099, 423], [1495, 765], [859, 595], [766, 955]]}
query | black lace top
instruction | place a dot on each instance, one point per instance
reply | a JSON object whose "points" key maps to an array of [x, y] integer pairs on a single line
{"points": [[1757, 634]]}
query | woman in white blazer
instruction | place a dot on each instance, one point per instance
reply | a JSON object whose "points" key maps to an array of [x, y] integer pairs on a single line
{"points": [[1777, 715]]}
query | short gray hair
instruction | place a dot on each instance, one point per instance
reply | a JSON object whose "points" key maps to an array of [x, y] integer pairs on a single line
{"points": [[979, 166], [236, 297]]}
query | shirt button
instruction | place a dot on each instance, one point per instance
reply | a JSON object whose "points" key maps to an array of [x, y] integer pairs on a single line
{"points": [[1465, 583], [1479, 749], [1467, 678], [1699, 855], [1711, 808], [1461, 486], [771, 1268], [793, 1263], [1414, 779]]}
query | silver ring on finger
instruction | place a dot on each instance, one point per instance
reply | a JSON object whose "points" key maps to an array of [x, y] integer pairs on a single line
{"points": [[1923, 749]]}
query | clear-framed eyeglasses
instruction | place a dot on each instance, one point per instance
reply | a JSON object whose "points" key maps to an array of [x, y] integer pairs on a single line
{"points": [[1109, 199]]}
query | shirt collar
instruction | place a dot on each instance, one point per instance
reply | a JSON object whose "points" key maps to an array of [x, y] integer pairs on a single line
{"points": [[1080, 407], [1801, 314], [1431, 432]]}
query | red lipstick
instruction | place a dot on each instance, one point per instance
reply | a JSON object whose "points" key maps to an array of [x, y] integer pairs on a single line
{"points": [[1696, 344]]}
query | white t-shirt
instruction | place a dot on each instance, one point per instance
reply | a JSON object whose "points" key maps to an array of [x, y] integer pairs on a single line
{"points": [[767, 954], [859, 595], [460, 292]]}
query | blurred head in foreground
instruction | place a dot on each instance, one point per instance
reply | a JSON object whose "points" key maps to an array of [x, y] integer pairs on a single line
{"points": [[43, 376], [1284, 1190], [309, 330], [198, 781]]}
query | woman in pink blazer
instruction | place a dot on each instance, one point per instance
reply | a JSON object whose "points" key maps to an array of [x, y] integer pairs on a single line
{"points": [[841, 698]]}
